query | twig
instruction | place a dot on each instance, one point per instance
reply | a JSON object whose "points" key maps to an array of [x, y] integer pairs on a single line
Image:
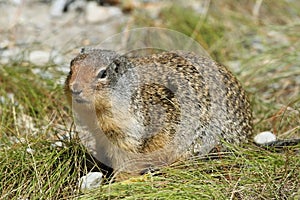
{"points": [[256, 8]]}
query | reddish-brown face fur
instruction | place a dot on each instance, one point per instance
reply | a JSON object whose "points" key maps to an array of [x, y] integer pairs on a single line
{"points": [[83, 84]]}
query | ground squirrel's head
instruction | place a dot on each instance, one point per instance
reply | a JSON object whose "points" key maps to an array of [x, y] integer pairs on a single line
{"points": [[91, 73]]}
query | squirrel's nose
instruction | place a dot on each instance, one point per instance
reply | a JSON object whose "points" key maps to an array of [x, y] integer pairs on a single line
{"points": [[75, 89]]}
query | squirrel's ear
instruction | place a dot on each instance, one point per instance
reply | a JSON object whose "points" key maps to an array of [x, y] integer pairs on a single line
{"points": [[119, 63], [82, 50]]}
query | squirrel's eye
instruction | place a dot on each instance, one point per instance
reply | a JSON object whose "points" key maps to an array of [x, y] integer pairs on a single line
{"points": [[102, 74]]}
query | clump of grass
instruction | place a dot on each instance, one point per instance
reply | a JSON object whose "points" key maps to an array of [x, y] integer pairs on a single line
{"points": [[27, 95], [45, 172], [33, 112], [182, 19], [244, 174], [187, 22]]}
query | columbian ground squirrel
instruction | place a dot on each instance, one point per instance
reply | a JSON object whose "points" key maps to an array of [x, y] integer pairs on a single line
{"points": [[151, 110]]}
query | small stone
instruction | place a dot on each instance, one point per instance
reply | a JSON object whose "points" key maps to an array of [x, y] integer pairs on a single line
{"points": [[90, 181], [57, 7], [2, 99], [17, 2], [277, 37], [22, 140], [95, 13], [27, 123], [30, 150], [9, 97], [235, 65], [78, 6], [264, 137], [257, 44], [7, 55], [4, 44], [57, 144], [16, 140], [39, 57]]}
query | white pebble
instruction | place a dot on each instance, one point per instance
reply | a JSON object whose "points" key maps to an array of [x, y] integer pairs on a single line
{"points": [[57, 7], [264, 137], [57, 144], [16, 140], [30, 150], [17, 2], [39, 57], [95, 13], [91, 180]]}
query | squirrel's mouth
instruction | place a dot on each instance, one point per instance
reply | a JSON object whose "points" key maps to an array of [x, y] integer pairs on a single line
{"points": [[81, 101]]}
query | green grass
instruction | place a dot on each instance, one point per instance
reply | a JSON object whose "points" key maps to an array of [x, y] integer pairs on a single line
{"points": [[249, 173], [34, 113]]}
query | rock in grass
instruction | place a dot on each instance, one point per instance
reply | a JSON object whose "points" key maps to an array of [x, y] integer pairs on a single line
{"points": [[264, 137], [57, 7], [30, 150], [95, 13], [90, 181], [57, 144], [39, 57]]}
